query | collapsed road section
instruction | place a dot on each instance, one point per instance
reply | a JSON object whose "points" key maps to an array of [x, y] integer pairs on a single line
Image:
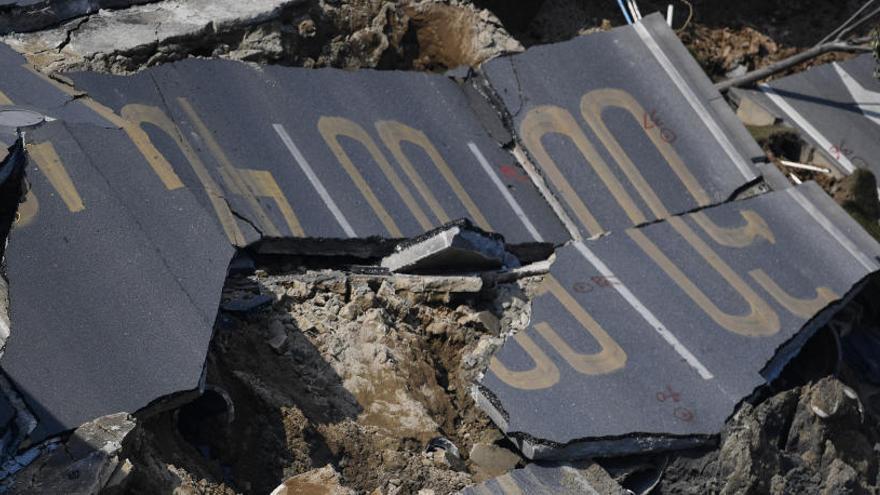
{"points": [[680, 303]]}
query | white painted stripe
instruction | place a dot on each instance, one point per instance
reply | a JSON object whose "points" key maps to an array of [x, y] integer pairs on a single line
{"points": [[646, 313], [316, 183], [805, 125], [867, 101], [504, 192], [829, 227], [695, 102]]}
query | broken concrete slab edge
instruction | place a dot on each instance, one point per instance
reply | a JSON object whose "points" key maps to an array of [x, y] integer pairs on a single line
{"points": [[522, 154], [42, 15], [536, 449], [141, 55]]}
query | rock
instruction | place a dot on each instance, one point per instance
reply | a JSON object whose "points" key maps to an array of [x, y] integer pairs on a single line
{"points": [[485, 319], [858, 191], [490, 460], [436, 284], [455, 247], [812, 439], [752, 114], [323, 481]]}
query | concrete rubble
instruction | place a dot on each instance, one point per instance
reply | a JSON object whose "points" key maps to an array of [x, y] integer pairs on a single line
{"points": [[454, 247], [251, 275]]}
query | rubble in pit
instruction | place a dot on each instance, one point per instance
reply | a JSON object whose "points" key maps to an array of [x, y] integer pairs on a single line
{"points": [[360, 371], [811, 439], [360, 33]]}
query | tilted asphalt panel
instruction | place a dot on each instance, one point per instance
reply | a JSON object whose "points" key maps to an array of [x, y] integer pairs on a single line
{"points": [[555, 78], [645, 387], [823, 101], [112, 306], [240, 106]]}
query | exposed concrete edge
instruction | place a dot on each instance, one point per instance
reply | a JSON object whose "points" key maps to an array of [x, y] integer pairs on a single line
{"points": [[585, 448], [47, 13]]}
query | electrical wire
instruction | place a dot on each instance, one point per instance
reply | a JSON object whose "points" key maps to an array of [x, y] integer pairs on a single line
{"points": [[625, 13], [689, 17], [858, 24], [853, 17]]}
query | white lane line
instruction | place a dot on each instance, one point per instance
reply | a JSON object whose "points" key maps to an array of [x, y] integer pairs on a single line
{"points": [[646, 313], [316, 183], [867, 101], [800, 121], [695, 102], [829, 227], [504, 192]]}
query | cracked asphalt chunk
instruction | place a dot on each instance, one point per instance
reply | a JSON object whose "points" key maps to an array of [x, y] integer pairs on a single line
{"points": [[654, 335], [329, 153], [114, 287], [631, 133]]}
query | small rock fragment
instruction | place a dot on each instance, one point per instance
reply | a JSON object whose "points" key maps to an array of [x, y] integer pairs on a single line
{"points": [[324, 481], [455, 247]]}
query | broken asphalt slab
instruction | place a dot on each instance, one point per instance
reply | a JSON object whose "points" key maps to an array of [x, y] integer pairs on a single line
{"points": [[114, 292], [836, 107], [631, 132], [647, 339], [334, 154]]}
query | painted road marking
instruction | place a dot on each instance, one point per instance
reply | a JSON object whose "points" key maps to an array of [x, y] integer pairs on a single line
{"points": [[694, 101], [316, 183], [504, 192], [648, 316]]}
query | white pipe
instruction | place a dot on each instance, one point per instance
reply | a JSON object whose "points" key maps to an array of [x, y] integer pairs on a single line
{"points": [[669, 10], [804, 166], [795, 179]]}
